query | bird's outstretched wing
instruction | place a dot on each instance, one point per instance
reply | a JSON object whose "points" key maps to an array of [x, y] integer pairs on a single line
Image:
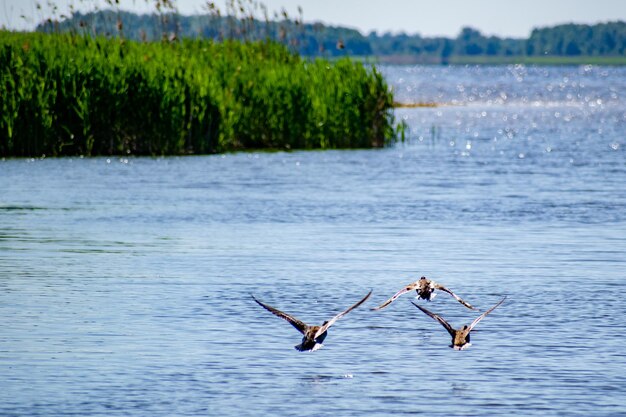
{"points": [[438, 318], [404, 290], [456, 297], [340, 315], [300, 326], [482, 316]]}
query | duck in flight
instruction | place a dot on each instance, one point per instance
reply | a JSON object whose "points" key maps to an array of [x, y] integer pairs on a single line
{"points": [[313, 336], [425, 289], [460, 337]]}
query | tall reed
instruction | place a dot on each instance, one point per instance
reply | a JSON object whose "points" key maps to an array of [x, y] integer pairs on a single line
{"points": [[63, 94]]}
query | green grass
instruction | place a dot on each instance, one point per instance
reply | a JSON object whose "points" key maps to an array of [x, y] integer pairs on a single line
{"points": [[498, 60], [65, 94], [539, 60]]}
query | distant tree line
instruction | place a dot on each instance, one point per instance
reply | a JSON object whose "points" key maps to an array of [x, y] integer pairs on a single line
{"points": [[604, 39], [307, 39], [316, 39]]}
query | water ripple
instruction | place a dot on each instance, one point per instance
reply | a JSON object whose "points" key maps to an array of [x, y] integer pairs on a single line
{"points": [[128, 285]]}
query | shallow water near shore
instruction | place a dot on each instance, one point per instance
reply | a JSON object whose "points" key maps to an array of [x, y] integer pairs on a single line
{"points": [[125, 282]]}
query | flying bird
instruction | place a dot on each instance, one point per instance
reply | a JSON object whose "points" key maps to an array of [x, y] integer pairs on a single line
{"points": [[313, 336], [425, 289], [460, 337]]}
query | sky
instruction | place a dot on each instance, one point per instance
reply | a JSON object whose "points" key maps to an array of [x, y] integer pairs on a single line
{"points": [[502, 18]]}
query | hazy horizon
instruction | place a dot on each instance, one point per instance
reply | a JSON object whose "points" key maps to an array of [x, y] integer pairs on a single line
{"points": [[442, 18]]}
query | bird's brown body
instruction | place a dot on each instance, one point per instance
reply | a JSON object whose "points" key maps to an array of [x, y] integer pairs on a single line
{"points": [[425, 289], [312, 336], [460, 337]]}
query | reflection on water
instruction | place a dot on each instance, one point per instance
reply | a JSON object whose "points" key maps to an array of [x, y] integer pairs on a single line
{"points": [[125, 284]]}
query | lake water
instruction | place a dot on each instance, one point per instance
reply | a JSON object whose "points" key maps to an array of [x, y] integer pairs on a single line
{"points": [[125, 283]]}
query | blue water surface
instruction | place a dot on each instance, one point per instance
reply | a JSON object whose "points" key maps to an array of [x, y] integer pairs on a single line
{"points": [[125, 282]]}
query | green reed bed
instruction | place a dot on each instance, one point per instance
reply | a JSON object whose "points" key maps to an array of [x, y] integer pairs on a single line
{"points": [[65, 94]]}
